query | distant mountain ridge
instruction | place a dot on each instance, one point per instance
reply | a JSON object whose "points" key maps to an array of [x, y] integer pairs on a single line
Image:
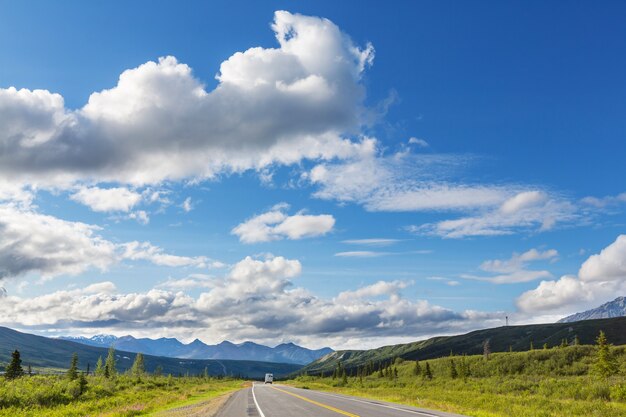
{"points": [[615, 308], [173, 348], [55, 354]]}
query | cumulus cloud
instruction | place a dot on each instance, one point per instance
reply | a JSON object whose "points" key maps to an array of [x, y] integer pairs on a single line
{"points": [[34, 242], [107, 199], [514, 270], [600, 278], [271, 106], [276, 225], [257, 296], [30, 241]]}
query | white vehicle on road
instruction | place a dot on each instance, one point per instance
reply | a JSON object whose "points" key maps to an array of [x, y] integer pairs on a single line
{"points": [[269, 378]]}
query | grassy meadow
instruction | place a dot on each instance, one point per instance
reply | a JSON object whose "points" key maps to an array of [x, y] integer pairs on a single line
{"points": [[554, 382], [123, 395]]}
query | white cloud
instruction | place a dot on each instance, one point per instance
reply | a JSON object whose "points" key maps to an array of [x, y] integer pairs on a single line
{"points": [[603, 202], [30, 241], [187, 205], [401, 182], [522, 201], [276, 225], [380, 288], [255, 297], [189, 282], [271, 106], [527, 210], [371, 242], [148, 252], [140, 215], [514, 270], [418, 142], [361, 254], [518, 260], [600, 278], [447, 281], [107, 199], [49, 246], [15, 193], [408, 182]]}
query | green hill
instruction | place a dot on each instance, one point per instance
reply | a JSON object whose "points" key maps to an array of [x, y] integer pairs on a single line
{"points": [[42, 352], [501, 339]]}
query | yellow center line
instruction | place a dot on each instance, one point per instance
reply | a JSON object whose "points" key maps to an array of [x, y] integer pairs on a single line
{"points": [[328, 407]]}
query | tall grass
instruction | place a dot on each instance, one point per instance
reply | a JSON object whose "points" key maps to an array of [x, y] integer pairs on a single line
{"points": [[57, 396], [541, 383]]}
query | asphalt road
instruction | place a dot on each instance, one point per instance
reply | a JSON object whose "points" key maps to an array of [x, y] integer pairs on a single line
{"points": [[282, 401]]}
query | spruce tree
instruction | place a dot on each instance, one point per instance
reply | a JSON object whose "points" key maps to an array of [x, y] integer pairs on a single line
{"points": [[99, 367], [453, 372], [72, 373], [464, 370], [138, 369], [417, 369], [82, 383], [109, 365], [428, 374], [14, 370], [605, 364]]}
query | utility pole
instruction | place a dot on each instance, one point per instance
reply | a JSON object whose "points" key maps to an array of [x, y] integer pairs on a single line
{"points": [[507, 320]]}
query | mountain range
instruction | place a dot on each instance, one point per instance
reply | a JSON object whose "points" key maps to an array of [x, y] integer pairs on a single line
{"points": [[501, 339], [173, 348], [54, 354], [615, 308]]}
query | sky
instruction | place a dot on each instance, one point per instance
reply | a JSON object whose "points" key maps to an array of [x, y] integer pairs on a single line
{"points": [[334, 174]]}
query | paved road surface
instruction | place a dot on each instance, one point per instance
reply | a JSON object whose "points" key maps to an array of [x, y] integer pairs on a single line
{"points": [[282, 401]]}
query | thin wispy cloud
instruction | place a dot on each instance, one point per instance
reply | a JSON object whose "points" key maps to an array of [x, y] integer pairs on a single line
{"points": [[514, 270], [372, 242]]}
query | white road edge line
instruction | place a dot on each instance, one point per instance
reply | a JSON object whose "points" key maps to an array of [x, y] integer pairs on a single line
{"points": [[256, 402], [373, 403]]}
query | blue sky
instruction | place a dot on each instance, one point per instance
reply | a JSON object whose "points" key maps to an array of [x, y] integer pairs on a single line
{"points": [[380, 175]]}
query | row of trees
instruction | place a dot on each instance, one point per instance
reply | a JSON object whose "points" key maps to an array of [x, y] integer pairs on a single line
{"points": [[105, 369], [604, 365]]}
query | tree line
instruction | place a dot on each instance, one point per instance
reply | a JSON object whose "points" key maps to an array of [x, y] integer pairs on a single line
{"points": [[604, 365]]}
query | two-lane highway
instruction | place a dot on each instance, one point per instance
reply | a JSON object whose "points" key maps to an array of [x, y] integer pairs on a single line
{"points": [[282, 401]]}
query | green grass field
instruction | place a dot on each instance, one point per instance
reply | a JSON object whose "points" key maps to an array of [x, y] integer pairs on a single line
{"points": [[55, 396], [541, 383]]}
